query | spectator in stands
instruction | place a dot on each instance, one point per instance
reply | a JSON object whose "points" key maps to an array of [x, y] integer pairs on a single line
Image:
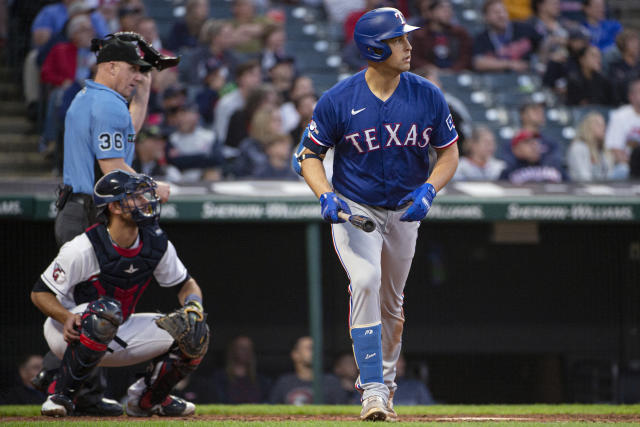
{"points": [[75, 9], [527, 165], [603, 31], [504, 45], [533, 118], [266, 122], [52, 18], [66, 63], [296, 388], [478, 162], [627, 67], [160, 80], [193, 149], [216, 42], [623, 132], [304, 107], [239, 382], [281, 76], [587, 159], [264, 96], [554, 33], [278, 149], [173, 97], [186, 32], [410, 391], [109, 10], [150, 158], [301, 86], [72, 60], [587, 84], [130, 12], [25, 393], [249, 28], [273, 42], [346, 370], [248, 77], [439, 42], [561, 63], [207, 98]]}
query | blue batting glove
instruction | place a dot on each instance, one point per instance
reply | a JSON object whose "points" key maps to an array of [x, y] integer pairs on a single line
{"points": [[330, 205], [422, 198]]}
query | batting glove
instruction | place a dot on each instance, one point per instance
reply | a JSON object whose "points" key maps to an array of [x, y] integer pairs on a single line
{"points": [[330, 205], [422, 198]]}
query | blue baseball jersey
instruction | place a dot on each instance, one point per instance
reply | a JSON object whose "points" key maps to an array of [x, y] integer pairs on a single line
{"points": [[381, 148], [97, 126]]}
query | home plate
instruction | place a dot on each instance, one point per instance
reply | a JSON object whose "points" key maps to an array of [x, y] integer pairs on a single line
{"points": [[485, 419]]}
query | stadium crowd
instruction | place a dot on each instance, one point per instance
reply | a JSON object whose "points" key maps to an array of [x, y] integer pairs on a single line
{"points": [[237, 104]]}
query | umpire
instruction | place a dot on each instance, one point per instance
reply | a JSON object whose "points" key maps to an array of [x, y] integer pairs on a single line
{"points": [[101, 126]]}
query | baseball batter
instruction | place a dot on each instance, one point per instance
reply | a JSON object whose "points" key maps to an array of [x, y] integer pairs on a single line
{"points": [[90, 291], [380, 123]]}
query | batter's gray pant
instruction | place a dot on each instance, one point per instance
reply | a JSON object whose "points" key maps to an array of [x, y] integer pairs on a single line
{"points": [[377, 265]]}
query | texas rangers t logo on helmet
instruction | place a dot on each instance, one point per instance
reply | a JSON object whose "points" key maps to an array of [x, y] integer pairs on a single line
{"points": [[400, 17]]}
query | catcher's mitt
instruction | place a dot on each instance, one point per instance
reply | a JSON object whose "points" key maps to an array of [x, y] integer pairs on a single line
{"points": [[188, 327]]}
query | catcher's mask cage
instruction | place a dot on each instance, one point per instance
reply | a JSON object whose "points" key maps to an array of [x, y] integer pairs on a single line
{"points": [[136, 194], [376, 26]]}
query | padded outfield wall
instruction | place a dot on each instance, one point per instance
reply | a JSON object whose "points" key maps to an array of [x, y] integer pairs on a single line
{"points": [[538, 304]]}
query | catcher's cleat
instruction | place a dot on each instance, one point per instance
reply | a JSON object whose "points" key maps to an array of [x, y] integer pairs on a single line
{"points": [[104, 408], [57, 405], [171, 407], [373, 409]]}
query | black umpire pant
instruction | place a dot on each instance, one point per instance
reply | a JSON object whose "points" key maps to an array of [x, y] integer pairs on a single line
{"points": [[74, 217]]}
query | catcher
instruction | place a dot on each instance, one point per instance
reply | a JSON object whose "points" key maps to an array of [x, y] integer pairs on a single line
{"points": [[89, 293]]}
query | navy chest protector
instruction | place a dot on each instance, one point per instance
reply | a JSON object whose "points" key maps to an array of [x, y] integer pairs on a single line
{"points": [[124, 273]]}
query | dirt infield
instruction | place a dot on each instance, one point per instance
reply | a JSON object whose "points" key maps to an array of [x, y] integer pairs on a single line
{"points": [[586, 418]]}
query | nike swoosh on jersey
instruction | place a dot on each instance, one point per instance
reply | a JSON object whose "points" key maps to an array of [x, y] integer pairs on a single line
{"points": [[354, 112]]}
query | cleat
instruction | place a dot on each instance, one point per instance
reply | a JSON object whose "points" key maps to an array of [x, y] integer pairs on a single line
{"points": [[373, 409], [57, 405], [171, 407], [175, 407], [391, 413], [104, 408]]}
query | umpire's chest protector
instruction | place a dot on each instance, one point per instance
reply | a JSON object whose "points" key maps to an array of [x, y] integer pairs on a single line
{"points": [[124, 273]]}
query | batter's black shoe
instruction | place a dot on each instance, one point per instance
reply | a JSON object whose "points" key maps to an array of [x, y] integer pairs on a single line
{"points": [[57, 405], [104, 408]]}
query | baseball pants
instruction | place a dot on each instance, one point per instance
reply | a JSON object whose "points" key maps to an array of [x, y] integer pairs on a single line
{"points": [[377, 265], [138, 339]]}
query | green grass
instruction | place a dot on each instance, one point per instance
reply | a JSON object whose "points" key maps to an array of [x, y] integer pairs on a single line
{"points": [[347, 411]]}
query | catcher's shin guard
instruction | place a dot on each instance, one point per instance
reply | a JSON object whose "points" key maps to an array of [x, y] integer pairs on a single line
{"points": [[163, 375], [100, 322]]}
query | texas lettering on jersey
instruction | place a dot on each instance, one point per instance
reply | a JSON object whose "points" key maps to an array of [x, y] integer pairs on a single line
{"points": [[369, 140]]}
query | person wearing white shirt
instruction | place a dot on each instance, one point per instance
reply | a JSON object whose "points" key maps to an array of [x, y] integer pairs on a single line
{"points": [[623, 132]]}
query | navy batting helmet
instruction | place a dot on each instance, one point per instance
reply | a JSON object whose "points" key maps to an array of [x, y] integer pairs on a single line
{"points": [[135, 192], [377, 25]]}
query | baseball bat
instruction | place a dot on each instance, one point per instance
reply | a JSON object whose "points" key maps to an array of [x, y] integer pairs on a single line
{"points": [[362, 222]]}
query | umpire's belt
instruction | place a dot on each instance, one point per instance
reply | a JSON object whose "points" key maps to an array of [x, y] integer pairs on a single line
{"points": [[81, 199]]}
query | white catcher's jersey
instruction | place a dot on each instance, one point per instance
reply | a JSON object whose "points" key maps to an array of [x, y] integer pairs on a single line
{"points": [[76, 263]]}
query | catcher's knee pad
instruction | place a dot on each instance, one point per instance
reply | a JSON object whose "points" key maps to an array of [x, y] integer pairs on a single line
{"points": [[100, 321], [367, 348]]}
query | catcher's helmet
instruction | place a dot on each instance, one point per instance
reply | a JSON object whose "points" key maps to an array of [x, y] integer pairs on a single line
{"points": [[377, 25], [135, 192]]}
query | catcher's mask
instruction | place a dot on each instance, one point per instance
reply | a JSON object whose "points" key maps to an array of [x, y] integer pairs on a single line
{"points": [[136, 194]]}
